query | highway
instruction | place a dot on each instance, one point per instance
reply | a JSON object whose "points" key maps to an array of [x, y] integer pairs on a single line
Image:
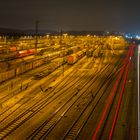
{"points": [[93, 99]]}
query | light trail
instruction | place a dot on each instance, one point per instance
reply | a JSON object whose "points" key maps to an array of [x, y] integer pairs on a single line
{"points": [[138, 96], [112, 94], [119, 103], [108, 104], [121, 94]]}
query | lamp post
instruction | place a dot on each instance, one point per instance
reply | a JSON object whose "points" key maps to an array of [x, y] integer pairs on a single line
{"points": [[63, 49], [63, 60], [36, 35], [6, 45]]}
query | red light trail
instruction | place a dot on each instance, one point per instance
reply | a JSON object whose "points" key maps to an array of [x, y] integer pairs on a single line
{"points": [[126, 64]]}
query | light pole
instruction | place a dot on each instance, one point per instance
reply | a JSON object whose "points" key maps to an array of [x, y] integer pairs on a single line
{"points": [[63, 60], [63, 49], [36, 35], [6, 45]]}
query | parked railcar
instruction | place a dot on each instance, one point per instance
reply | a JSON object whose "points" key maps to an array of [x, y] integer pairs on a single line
{"points": [[71, 59], [7, 75], [31, 51], [96, 53], [38, 62], [13, 49], [24, 53], [21, 53], [7, 56], [79, 54], [89, 53]]}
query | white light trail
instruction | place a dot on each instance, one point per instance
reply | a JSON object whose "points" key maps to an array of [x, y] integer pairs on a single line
{"points": [[138, 96]]}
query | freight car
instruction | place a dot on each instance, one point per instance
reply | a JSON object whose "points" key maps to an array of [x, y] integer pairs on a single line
{"points": [[23, 68], [96, 53], [89, 53], [16, 54], [7, 75], [7, 56], [51, 67], [71, 59], [38, 62], [24, 53]]}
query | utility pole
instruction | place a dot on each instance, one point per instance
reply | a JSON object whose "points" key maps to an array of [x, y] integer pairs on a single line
{"points": [[36, 35]]}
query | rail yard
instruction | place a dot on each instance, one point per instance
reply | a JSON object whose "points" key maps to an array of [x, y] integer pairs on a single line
{"points": [[68, 88]]}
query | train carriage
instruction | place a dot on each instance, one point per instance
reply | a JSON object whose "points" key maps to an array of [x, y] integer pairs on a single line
{"points": [[7, 75], [38, 63], [71, 59]]}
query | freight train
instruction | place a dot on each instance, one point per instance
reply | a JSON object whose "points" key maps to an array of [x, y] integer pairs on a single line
{"points": [[16, 54], [50, 68], [23, 66], [20, 69], [73, 58]]}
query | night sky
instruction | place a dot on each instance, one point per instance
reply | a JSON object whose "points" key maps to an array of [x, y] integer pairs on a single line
{"points": [[117, 15]]}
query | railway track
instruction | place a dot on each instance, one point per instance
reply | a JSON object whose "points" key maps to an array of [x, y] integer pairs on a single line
{"points": [[12, 94], [64, 83], [17, 121], [111, 110], [49, 81], [76, 128], [27, 112], [28, 75], [77, 117], [48, 126], [16, 92], [52, 94], [32, 109]]}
